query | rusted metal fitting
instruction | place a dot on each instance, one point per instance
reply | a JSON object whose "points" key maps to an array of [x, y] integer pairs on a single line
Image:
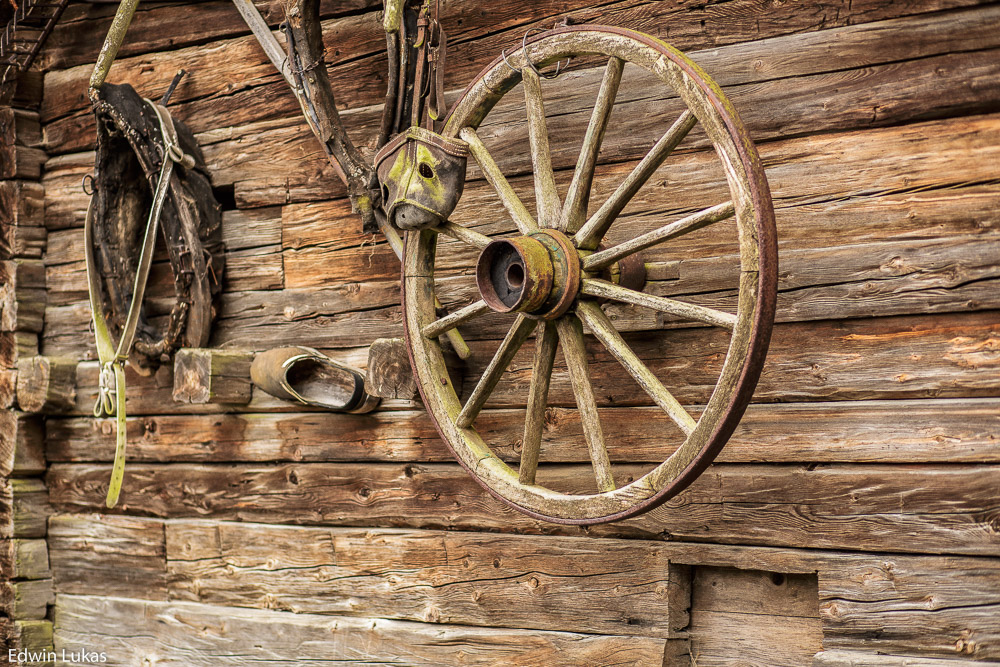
{"points": [[567, 269], [537, 274], [629, 271], [514, 274]]}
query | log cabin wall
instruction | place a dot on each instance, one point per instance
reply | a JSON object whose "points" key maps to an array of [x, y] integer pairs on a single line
{"points": [[853, 519]]}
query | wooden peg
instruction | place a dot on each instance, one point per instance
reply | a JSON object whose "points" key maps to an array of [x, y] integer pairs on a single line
{"points": [[205, 375]]}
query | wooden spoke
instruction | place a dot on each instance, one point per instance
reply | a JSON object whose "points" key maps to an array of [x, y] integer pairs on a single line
{"points": [[690, 311], [491, 170], [546, 195], [605, 258], [541, 374], [571, 340], [577, 197], [597, 226], [452, 320], [605, 331], [518, 333], [464, 234]]}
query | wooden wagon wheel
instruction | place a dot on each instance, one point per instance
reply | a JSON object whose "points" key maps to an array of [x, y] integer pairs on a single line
{"points": [[550, 277]]}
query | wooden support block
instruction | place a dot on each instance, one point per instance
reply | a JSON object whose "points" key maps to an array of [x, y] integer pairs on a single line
{"points": [[8, 386], [46, 384], [22, 295], [22, 444], [26, 599], [389, 372], [24, 559], [20, 133], [22, 224], [205, 375], [24, 508]]}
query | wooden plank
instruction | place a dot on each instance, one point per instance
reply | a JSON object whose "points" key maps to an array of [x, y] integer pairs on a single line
{"points": [[108, 555], [22, 444], [859, 659], [727, 639], [544, 583], [358, 81], [20, 134], [860, 598], [829, 506], [894, 605], [308, 640]]}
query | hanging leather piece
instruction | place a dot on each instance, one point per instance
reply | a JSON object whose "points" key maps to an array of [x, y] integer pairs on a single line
{"points": [[149, 178]]}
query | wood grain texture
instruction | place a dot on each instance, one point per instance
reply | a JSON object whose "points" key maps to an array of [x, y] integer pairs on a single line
{"points": [[310, 640], [829, 506]]}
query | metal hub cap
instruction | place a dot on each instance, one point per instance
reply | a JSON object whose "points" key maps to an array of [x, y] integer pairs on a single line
{"points": [[537, 274]]}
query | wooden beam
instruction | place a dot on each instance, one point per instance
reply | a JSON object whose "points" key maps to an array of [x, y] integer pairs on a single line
{"points": [[46, 384], [22, 227], [24, 508], [164, 629], [858, 507], [211, 375], [22, 295], [388, 372]]}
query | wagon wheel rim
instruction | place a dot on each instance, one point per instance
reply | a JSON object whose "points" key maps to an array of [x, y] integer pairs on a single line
{"points": [[750, 204]]}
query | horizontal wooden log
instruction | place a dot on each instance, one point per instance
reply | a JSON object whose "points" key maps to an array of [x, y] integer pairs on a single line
{"points": [[24, 508], [902, 606], [126, 555], [895, 357], [22, 295], [46, 384], [248, 565], [913, 431], [211, 376], [599, 587], [311, 640], [22, 444], [359, 80], [829, 506], [24, 559], [26, 599], [860, 659], [161, 28], [22, 227]]}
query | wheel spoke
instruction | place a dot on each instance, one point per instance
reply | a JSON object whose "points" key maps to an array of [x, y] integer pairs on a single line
{"points": [[491, 170], [695, 221], [464, 234], [605, 331], [546, 195], [541, 374], [597, 226], [690, 311], [571, 340], [577, 197], [518, 333], [452, 320]]}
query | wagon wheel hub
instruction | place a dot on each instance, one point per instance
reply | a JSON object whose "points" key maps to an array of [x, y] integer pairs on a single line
{"points": [[539, 274]]}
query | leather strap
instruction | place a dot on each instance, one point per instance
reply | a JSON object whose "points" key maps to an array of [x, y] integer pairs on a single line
{"points": [[111, 392]]}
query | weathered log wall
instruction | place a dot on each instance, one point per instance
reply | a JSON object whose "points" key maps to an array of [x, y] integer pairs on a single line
{"points": [[854, 517]]}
